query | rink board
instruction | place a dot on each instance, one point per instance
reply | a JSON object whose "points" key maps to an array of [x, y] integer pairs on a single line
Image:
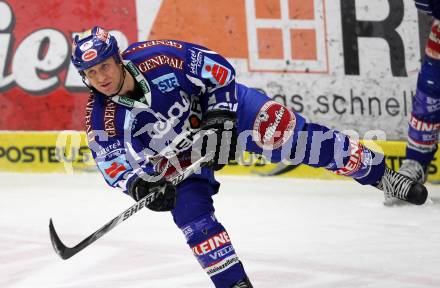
{"points": [[44, 152], [67, 152]]}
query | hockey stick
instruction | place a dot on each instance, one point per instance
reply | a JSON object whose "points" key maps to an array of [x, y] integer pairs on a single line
{"points": [[66, 252], [281, 168]]}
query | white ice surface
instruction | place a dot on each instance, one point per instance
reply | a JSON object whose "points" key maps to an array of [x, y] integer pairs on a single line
{"points": [[288, 233]]}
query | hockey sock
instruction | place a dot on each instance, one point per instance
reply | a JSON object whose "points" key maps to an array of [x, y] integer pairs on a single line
{"points": [[340, 154], [213, 249]]}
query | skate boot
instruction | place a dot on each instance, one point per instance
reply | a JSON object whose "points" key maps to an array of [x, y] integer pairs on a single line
{"points": [[413, 170], [245, 283], [395, 185]]}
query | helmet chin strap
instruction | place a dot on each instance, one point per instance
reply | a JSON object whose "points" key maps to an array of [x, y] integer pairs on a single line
{"points": [[83, 78]]}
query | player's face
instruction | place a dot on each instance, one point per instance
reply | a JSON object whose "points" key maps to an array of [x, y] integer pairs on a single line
{"points": [[106, 76]]}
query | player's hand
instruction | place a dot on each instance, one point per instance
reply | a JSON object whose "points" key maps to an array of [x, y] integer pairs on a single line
{"points": [[430, 7], [163, 193], [223, 122]]}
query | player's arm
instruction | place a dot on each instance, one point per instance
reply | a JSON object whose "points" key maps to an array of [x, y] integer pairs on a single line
{"points": [[214, 77], [430, 7], [123, 166]]}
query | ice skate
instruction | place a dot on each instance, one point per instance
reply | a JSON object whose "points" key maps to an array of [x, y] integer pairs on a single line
{"points": [[396, 185], [414, 170], [245, 283]]}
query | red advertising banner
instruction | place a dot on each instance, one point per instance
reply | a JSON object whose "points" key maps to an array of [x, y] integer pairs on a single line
{"points": [[36, 87], [40, 89]]}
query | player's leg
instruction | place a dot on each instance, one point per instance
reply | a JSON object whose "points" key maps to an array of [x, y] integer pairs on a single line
{"points": [[267, 127], [208, 239], [423, 128]]}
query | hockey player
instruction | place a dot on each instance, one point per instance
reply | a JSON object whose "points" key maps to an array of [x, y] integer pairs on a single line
{"points": [[424, 125], [149, 104]]}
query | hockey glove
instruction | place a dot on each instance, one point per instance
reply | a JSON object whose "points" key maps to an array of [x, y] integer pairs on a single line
{"points": [[225, 142], [164, 193], [430, 7]]}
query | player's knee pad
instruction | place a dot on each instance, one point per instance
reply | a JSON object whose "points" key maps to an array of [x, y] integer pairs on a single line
{"points": [[194, 199], [432, 49], [212, 247], [265, 126], [273, 125], [426, 102]]}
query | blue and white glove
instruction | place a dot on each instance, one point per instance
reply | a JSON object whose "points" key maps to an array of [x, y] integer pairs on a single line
{"points": [[430, 7]]}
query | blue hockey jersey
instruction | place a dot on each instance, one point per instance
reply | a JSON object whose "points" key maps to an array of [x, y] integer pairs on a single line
{"points": [[178, 83]]}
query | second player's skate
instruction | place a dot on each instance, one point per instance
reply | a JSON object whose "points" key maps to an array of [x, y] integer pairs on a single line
{"points": [[414, 170]]}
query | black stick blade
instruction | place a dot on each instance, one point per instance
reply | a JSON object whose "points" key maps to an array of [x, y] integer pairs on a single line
{"points": [[281, 168], [67, 252], [62, 250]]}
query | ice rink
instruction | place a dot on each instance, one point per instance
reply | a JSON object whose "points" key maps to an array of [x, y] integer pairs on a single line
{"points": [[288, 233]]}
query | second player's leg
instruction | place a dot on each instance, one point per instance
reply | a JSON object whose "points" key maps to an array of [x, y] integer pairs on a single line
{"points": [[424, 125]]}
